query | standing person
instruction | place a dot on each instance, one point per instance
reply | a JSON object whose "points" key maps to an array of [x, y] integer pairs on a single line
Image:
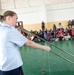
{"points": [[69, 23], [72, 23], [43, 26], [10, 41], [54, 30]]}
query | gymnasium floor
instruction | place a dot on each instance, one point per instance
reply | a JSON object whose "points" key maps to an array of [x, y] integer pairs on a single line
{"points": [[39, 62]]}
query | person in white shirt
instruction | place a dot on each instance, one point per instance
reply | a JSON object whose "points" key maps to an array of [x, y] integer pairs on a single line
{"points": [[10, 41], [60, 26]]}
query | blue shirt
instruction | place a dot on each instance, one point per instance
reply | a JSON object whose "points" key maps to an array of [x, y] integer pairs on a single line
{"points": [[10, 41]]}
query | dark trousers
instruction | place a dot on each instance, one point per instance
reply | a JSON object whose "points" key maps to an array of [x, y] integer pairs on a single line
{"points": [[17, 71]]}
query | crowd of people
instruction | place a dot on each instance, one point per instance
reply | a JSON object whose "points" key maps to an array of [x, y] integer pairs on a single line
{"points": [[53, 34]]}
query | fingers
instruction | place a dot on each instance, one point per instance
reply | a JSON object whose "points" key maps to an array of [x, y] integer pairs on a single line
{"points": [[47, 48]]}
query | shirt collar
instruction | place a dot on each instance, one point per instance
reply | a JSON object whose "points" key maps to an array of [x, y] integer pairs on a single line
{"points": [[5, 25]]}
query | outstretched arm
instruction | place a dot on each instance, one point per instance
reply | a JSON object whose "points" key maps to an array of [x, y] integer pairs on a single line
{"points": [[36, 45]]}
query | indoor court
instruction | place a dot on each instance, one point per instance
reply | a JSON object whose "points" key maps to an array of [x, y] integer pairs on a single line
{"points": [[46, 22], [39, 62]]}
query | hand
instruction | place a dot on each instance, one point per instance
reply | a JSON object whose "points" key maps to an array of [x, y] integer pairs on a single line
{"points": [[47, 48]]}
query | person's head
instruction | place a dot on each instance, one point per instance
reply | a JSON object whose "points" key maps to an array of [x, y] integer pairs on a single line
{"points": [[10, 17], [42, 21], [60, 23], [54, 25]]}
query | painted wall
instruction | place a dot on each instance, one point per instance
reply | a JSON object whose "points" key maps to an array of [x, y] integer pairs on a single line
{"points": [[0, 6], [33, 12], [31, 15], [60, 12]]}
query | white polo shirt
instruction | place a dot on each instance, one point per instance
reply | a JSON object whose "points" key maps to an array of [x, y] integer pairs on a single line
{"points": [[10, 41]]}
